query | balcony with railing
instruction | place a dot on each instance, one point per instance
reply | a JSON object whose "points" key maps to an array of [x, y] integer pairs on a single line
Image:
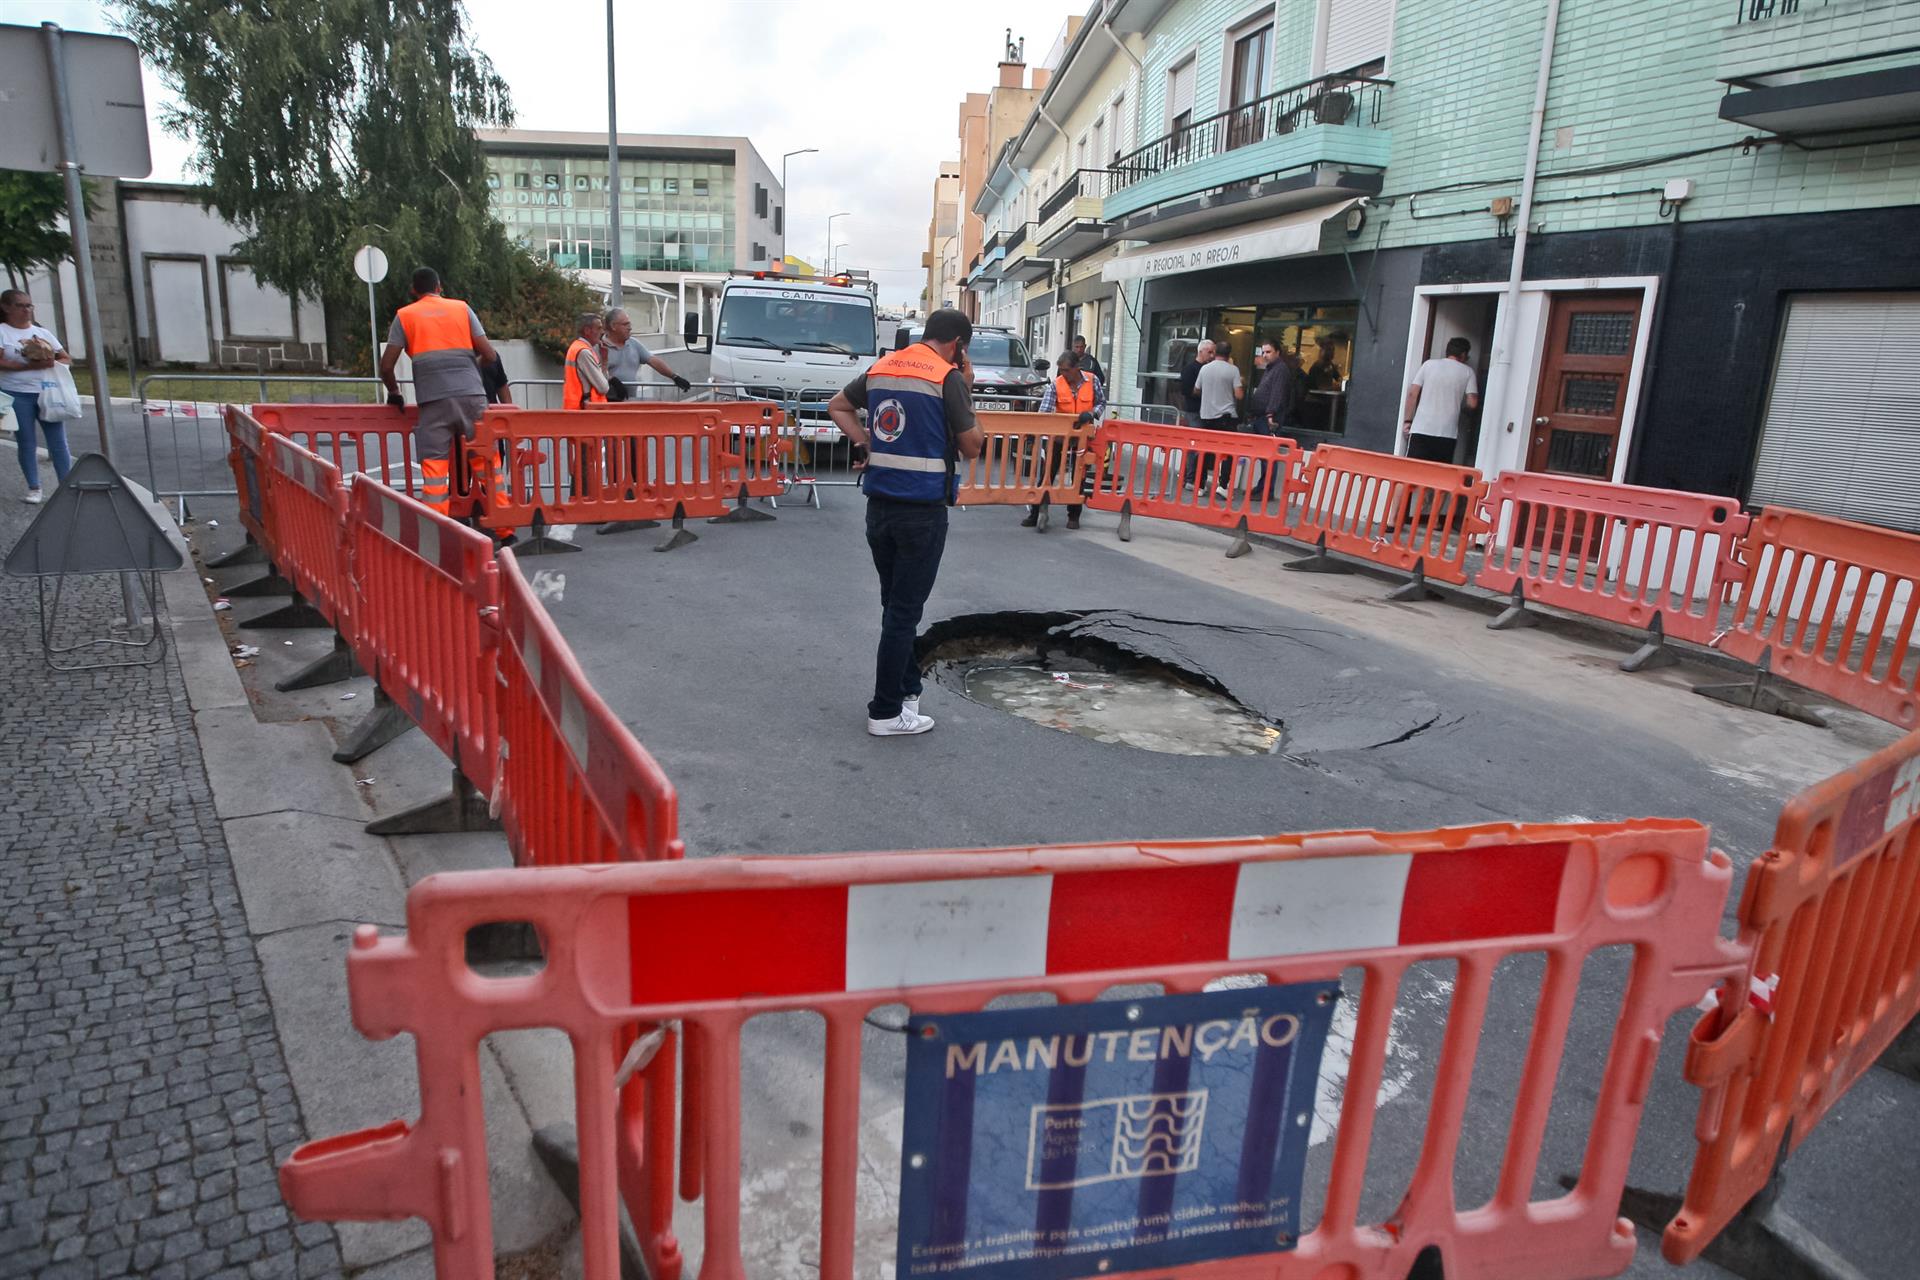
{"points": [[1070, 217], [1306, 144]]}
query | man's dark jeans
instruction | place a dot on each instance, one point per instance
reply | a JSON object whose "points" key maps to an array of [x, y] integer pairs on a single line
{"points": [[907, 539]]}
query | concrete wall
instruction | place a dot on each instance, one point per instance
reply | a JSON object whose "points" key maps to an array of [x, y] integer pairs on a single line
{"points": [[748, 169], [195, 301]]}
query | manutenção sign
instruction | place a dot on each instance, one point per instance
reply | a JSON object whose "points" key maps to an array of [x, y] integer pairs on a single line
{"points": [[1074, 1140]]}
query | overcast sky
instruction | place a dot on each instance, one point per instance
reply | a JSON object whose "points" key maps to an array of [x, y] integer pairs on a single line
{"points": [[875, 86]]}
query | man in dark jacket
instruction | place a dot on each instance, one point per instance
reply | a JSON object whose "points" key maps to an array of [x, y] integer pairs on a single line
{"points": [[1189, 376], [1273, 394]]}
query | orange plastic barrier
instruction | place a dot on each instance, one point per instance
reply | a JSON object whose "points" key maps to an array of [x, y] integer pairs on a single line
{"points": [[1400, 512], [370, 438], [1833, 915], [425, 595], [946, 932], [616, 464], [1836, 603], [1178, 473], [1029, 456], [307, 510], [1615, 551], [246, 455], [575, 785], [755, 445]]}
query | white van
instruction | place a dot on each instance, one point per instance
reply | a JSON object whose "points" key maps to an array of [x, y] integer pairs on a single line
{"points": [[780, 336]]}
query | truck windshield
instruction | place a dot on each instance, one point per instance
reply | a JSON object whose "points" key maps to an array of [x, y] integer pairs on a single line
{"points": [[796, 323]]}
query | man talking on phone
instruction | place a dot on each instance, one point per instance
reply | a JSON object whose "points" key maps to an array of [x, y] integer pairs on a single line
{"points": [[919, 423]]}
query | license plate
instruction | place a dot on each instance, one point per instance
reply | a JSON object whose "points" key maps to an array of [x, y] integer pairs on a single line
{"points": [[994, 404]]}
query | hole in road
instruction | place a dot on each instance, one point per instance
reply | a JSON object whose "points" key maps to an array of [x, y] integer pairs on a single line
{"points": [[1033, 665]]}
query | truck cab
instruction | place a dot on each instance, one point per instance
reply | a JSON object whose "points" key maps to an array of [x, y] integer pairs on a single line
{"points": [[795, 339]]}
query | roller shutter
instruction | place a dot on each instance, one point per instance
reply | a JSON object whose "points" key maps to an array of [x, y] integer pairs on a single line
{"points": [[1358, 32], [1842, 430]]}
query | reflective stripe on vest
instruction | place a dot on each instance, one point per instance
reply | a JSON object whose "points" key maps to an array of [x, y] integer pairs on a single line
{"points": [[907, 426], [575, 392], [1067, 400], [434, 323]]}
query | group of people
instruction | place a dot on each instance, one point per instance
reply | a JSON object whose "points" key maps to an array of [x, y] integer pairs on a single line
{"points": [[457, 372], [1214, 396]]}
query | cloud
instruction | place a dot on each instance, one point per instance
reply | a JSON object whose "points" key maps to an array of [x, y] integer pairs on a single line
{"points": [[876, 87]]}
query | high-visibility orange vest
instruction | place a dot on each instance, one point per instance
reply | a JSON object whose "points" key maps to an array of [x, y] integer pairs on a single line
{"points": [[434, 323], [1067, 400], [576, 393]]}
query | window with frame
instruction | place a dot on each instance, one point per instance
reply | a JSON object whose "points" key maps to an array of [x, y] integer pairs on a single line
{"points": [[1180, 80], [779, 220], [759, 201]]}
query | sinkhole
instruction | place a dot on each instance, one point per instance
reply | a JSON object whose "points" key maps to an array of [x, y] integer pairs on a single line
{"points": [[1059, 671]]}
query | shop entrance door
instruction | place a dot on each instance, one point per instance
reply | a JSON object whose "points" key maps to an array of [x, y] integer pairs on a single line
{"points": [[1583, 383]]}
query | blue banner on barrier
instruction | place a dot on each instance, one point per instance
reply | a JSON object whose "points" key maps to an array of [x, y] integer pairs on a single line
{"points": [[1072, 1140]]}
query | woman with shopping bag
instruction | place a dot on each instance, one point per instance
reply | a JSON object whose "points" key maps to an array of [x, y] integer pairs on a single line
{"points": [[31, 365]]}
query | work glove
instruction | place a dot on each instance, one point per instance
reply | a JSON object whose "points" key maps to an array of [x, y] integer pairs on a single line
{"points": [[682, 383], [397, 401]]}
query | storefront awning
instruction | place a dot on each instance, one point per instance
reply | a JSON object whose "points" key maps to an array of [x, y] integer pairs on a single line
{"points": [[1283, 237]]}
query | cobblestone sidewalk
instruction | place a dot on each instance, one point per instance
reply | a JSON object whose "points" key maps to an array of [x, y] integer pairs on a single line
{"points": [[144, 1099]]}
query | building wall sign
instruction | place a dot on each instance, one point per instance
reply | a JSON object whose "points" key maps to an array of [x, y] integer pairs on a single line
{"points": [[1285, 237]]}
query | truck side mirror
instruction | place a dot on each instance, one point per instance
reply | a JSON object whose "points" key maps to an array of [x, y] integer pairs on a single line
{"points": [[690, 328], [901, 338], [1039, 366]]}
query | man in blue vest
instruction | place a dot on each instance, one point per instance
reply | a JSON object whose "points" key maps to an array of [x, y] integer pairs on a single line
{"points": [[919, 422]]}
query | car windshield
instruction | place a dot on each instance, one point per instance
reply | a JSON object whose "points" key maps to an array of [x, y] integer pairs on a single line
{"points": [[998, 350], [990, 350], [796, 323]]}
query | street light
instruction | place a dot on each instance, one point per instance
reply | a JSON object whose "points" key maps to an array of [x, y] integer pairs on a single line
{"points": [[830, 241], [832, 254], [786, 202], [613, 179]]}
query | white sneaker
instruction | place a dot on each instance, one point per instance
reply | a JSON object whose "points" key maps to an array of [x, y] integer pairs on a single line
{"points": [[904, 723], [1223, 493], [33, 496], [910, 705]]}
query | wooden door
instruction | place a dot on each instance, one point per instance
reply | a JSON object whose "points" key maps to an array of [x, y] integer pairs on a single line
{"points": [[1583, 383]]}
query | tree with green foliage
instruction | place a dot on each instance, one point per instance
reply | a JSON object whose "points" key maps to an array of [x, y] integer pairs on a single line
{"points": [[33, 210], [321, 125]]}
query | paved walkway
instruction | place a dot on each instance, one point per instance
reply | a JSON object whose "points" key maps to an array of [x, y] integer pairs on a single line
{"points": [[144, 1100]]}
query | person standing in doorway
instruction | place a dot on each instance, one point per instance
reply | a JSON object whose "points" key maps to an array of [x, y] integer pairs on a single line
{"points": [[1220, 390], [27, 351], [919, 422], [1088, 365], [1272, 396], [1189, 383], [444, 339], [623, 355], [1430, 426]]}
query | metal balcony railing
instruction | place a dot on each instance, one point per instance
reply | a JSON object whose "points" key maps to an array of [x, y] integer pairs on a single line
{"points": [[1349, 98], [1093, 183], [1761, 10], [1016, 238]]}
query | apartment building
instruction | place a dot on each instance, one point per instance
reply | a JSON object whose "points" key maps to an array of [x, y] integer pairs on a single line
{"points": [[1719, 280]]}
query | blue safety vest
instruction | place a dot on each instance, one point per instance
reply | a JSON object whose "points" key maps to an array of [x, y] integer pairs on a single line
{"points": [[908, 452]]}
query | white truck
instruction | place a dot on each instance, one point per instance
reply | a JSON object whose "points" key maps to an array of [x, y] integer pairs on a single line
{"points": [[795, 339]]}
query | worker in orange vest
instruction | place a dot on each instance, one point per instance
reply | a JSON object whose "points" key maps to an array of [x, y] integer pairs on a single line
{"points": [[1079, 393], [444, 339], [586, 379]]}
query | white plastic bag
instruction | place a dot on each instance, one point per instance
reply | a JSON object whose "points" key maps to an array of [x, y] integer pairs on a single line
{"points": [[59, 398]]}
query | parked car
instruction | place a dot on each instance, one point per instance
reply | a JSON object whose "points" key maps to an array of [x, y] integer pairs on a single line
{"points": [[1004, 377]]}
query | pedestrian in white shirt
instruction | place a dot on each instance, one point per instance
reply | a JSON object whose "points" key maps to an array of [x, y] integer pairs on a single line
{"points": [[1441, 388], [21, 372]]}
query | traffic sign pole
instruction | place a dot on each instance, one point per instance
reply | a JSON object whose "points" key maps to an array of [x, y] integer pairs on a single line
{"points": [[370, 264]]}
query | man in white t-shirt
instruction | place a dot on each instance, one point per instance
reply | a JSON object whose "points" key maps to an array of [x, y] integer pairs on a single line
{"points": [[20, 375], [1440, 390]]}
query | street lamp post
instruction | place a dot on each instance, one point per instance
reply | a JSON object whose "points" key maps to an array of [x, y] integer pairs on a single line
{"points": [[613, 176], [830, 241], [833, 255], [786, 218]]}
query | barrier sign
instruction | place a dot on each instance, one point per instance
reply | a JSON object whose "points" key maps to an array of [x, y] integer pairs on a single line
{"points": [[1075, 1140]]}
